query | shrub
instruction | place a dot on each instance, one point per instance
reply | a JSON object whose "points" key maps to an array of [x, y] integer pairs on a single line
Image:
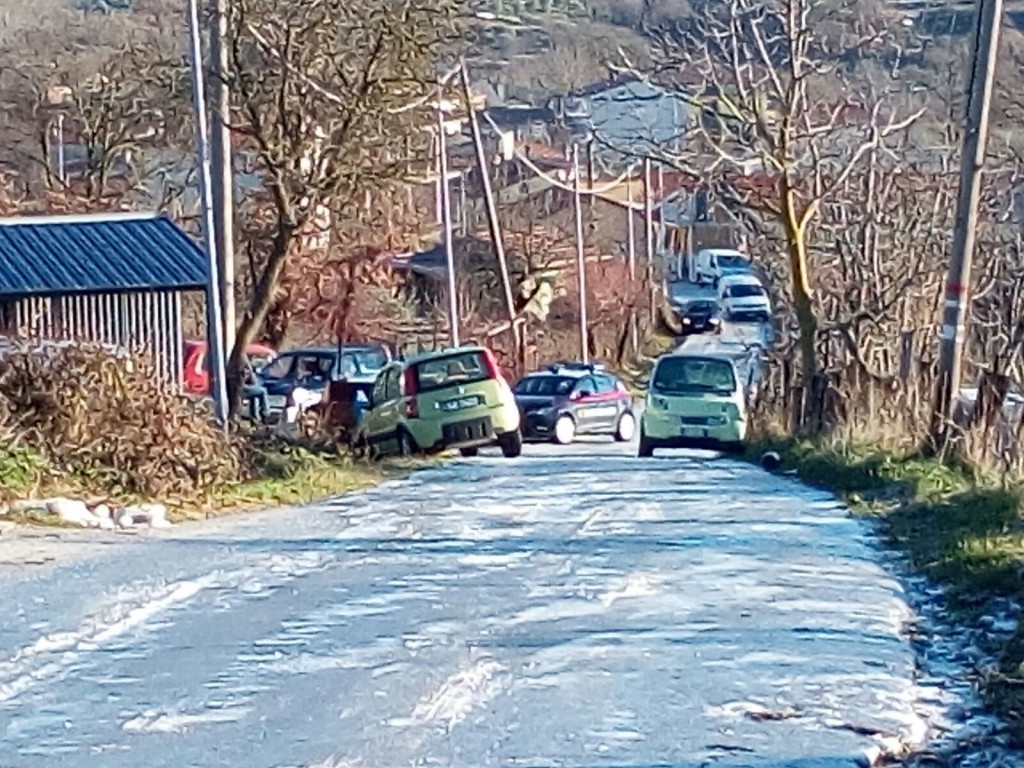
{"points": [[108, 422]]}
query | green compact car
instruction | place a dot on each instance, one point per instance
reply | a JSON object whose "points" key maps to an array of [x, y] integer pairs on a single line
{"points": [[453, 398], [694, 400]]}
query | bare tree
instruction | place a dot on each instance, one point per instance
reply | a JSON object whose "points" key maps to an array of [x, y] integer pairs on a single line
{"points": [[326, 96], [774, 93]]}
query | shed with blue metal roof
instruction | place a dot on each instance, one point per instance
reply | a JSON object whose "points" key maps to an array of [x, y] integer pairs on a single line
{"points": [[111, 278]]}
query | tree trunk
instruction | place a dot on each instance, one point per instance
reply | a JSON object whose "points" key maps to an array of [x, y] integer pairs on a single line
{"points": [[802, 295], [263, 297]]}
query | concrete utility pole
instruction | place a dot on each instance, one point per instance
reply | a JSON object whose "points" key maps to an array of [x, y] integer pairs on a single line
{"points": [[446, 216], [214, 324], [984, 50], [223, 169], [492, 210], [581, 263], [649, 234]]}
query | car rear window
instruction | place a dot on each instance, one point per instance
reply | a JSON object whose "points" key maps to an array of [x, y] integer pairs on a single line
{"points": [[693, 375], [544, 386], [440, 372]]}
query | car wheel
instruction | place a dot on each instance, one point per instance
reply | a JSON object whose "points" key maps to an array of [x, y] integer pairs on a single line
{"points": [[646, 449], [406, 446], [626, 427], [469, 452], [511, 444], [565, 430]]}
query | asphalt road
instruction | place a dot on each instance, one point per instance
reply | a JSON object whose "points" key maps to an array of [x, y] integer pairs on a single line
{"points": [[574, 607]]}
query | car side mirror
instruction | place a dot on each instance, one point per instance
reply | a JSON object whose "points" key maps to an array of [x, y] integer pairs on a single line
{"points": [[584, 393]]}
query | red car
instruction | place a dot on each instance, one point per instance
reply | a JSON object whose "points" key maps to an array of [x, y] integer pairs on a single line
{"points": [[197, 370]]}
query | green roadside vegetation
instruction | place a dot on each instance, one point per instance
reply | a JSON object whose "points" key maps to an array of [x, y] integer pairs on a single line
{"points": [[284, 475], [956, 524]]}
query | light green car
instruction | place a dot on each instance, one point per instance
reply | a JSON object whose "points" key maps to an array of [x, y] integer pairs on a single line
{"points": [[452, 398], [694, 400]]}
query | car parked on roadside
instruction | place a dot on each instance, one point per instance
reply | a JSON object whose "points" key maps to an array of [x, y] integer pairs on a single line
{"points": [[569, 399], [306, 373], [196, 363], [699, 316], [744, 298], [446, 399], [710, 265], [694, 400]]}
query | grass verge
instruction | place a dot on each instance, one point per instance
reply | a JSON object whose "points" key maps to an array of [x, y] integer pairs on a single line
{"points": [[955, 524], [285, 476]]}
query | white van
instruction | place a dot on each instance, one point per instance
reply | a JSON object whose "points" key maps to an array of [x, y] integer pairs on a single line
{"points": [[742, 297], [712, 264]]}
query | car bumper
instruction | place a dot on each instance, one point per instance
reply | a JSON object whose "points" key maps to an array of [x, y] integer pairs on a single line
{"points": [[668, 431], [538, 426], [468, 431]]}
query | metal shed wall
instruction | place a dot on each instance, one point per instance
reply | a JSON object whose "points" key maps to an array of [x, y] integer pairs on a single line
{"points": [[149, 322]]}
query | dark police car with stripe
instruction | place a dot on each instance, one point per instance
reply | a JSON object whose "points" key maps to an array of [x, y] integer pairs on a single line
{"points": [[569, 399]]}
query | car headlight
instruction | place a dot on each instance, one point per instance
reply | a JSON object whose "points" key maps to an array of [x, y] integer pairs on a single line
{"points": [[659, 404], [717, 421]]}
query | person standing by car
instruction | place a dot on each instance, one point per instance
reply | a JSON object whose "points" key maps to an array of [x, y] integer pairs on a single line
{"points": [[254, 391]]}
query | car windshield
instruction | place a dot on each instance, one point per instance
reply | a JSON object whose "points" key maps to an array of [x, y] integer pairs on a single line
{"points": [[744, 291], [278, 368], [306, 367], [451, 370], [701, 307], [367, 360], [544, 386], [693, 375], [731, 260]]}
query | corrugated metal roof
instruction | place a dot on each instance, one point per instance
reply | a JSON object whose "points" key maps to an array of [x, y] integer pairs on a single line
{"points": [[108, 252]]}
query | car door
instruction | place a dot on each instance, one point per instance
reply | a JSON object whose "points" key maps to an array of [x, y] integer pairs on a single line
{"points": [[392, 409], [372, 419], [585, 396], [605, 413]]}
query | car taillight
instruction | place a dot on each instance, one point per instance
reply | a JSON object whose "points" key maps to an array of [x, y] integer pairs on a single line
{"points": [[491, 366], [412, 409]]}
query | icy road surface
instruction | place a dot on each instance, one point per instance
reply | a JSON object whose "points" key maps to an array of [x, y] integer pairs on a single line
{"points": [[575, 607]]}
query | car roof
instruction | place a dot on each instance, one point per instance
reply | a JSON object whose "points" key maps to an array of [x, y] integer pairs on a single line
{"points": [[740, 280], [330, 350], [683, 354], [724, 252], [436, 354]]}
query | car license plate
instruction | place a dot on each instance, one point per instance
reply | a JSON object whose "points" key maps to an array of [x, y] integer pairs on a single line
{"points": [[695, 431], [460, 403], [276, 401]]}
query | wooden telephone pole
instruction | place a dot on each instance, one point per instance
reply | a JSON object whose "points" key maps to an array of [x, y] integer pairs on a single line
{"points": [[984, 49]]}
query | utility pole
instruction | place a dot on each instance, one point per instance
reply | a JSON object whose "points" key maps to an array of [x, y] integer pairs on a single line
{"points": [[223, 171], [214, 325], [649, 235], [630, 229], [581, 263], [590, 179], [492, 211], [446, 214], [984, 50]]}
